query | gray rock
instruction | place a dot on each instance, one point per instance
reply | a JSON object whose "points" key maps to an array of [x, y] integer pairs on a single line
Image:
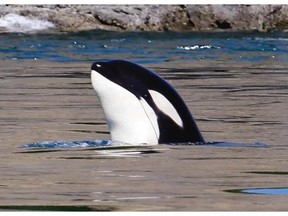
{"points": [[156, 17], [239, 17]]}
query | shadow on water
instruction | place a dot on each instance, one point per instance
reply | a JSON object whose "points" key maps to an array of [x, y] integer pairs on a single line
{"points": [[57, 208]]}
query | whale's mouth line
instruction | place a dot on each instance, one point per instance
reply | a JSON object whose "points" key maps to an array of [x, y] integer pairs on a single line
{"points": [[150, 120], [158, 113]]}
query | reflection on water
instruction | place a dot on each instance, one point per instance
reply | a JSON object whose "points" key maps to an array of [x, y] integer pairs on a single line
{"points": [[268, 191], [65, 208], [273, 191], [232, 102]]}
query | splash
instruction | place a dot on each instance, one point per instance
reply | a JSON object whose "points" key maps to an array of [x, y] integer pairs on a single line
{"points": [[61, 144], [67, 144], [21, 24]]}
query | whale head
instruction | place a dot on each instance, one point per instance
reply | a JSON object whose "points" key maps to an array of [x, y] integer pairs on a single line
{"points": [[141, 107]]}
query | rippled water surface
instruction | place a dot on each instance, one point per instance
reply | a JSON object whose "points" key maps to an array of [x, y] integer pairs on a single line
{"points": [[235, 84], [146, 47]]}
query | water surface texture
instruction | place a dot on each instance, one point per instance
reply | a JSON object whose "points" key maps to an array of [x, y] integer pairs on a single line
{"points": [[235, 84], [145, 47]]}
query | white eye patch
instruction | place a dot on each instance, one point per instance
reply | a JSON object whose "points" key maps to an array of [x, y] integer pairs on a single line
{"points": [[166, 107]]}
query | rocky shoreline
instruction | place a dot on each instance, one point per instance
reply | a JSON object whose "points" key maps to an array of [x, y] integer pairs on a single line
{"points": [[155, 17]]}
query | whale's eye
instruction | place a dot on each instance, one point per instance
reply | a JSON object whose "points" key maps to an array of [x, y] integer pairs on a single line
{"points": [[98, 65]]}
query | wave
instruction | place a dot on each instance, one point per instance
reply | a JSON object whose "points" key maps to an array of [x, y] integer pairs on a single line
{"points": [[61, 144], [16, 23], [198, 47], [108, 143], [271, 39], [68, 144]]}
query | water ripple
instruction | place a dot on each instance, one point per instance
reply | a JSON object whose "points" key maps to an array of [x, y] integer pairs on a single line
{"points": [[142, 47]]}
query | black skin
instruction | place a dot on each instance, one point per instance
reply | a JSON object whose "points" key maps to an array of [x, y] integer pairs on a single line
{"points": [[138, 80]]}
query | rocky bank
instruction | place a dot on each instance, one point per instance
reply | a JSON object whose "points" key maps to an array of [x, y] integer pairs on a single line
{"points": [[156, 17]]}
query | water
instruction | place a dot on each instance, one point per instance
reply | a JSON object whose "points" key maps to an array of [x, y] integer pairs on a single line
{"points": [[146, 47], [269, 191], [235, 84]]}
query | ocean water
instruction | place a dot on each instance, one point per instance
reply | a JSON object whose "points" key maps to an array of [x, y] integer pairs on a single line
{"points": [[144, 48], [235, 84]]}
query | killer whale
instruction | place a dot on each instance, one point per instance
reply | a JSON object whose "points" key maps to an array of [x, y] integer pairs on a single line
{"points": [[140, 106]]}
